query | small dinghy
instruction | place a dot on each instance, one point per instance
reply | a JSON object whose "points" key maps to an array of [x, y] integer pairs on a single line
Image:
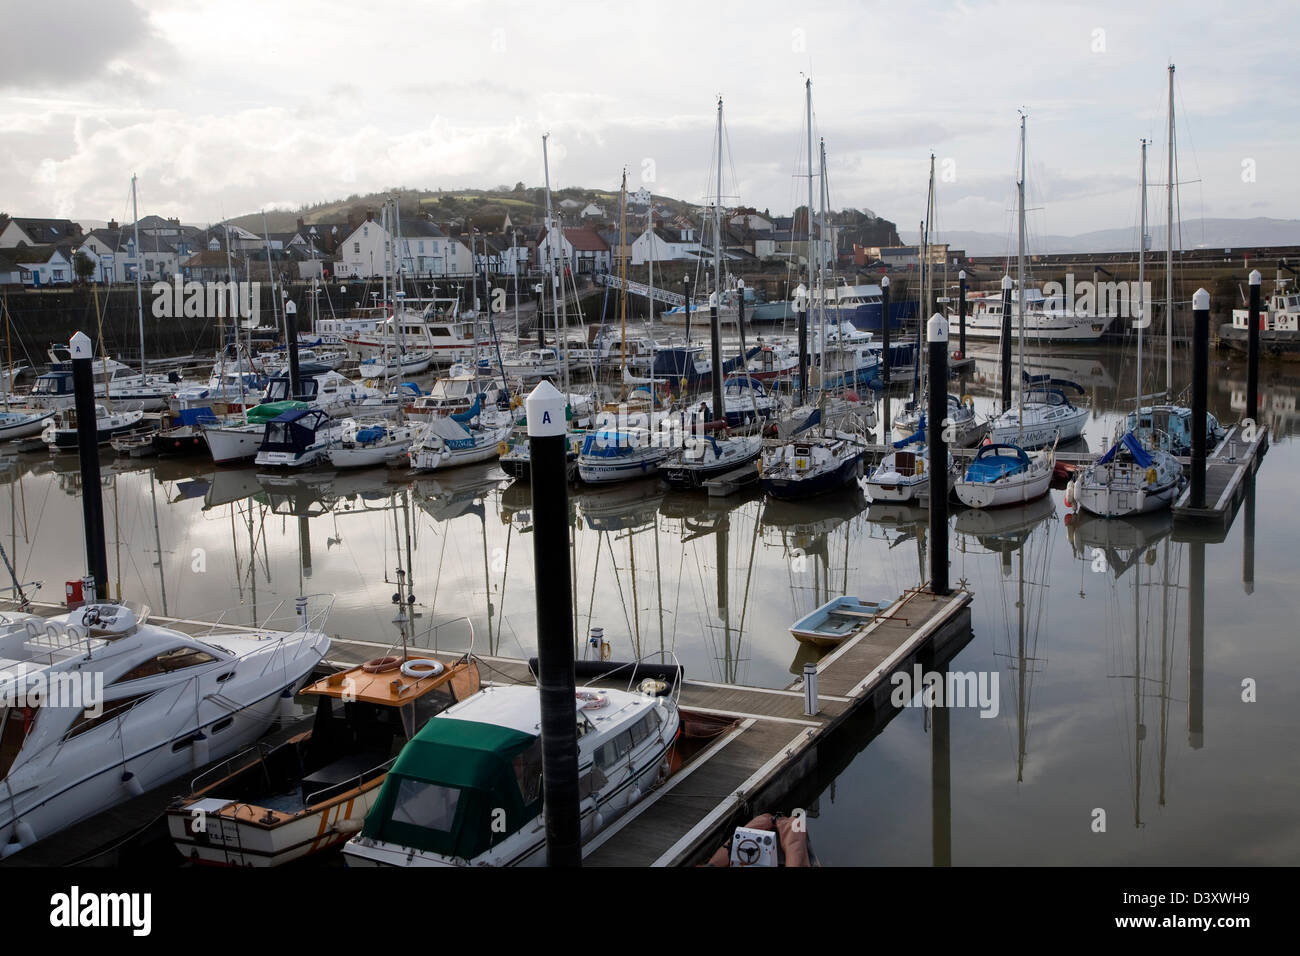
{"points": [[834, 621]]}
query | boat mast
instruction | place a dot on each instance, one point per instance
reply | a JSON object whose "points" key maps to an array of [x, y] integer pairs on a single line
{"points": [[821, 235], [275, 294], [1169, 250], [719, 410], [812, 250], [622, 276], [1142, 259], [1020, 275], [139, 295], [398, 285]]}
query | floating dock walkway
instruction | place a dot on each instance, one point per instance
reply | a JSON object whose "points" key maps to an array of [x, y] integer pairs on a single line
{"points": [[774, 752]]}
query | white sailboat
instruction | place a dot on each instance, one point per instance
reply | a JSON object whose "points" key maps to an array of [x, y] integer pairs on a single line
{"points": [[1136, 474], [1004, 473]]}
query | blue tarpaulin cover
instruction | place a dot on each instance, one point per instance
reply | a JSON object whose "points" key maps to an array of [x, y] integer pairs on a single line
{"points": [[373, 433], [996, 461], [1129, 441]]}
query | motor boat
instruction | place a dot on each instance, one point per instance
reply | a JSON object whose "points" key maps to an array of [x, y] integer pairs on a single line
{"points": [[128, 706]]}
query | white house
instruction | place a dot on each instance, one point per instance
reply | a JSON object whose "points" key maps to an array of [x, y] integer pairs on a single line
{"points": [[665, 245], [113, 252], [641, 197], [592, 211], [43, 265], [583, 251], [424, 249]]}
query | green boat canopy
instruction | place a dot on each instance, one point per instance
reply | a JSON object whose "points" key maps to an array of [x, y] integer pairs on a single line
{"points": [[261, 414], [447, 783]]}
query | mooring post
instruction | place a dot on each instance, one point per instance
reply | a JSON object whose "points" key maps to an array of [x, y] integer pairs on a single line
{"points": [[937, 335], [811, 706], [1200, 384], [1252, 351], [1006, 342], [291, 343], [547, 443], [961, 314], [884, 328], [92, 502]]}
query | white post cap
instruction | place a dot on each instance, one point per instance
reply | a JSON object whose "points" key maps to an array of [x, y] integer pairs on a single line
{"points": [[545, 410], [962, 274], [1255, 277], [1006, 282], [884, 282], [290, 308], [81, 346], [1200, 301], [937, 329]]}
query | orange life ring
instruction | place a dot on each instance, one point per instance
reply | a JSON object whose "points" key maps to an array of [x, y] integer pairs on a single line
{"points": [[382, 665]]}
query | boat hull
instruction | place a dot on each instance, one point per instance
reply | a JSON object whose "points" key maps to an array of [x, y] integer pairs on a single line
{"points": [[794, 489]]}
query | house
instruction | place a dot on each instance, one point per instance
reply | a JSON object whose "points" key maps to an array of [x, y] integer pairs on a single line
{"points": [[641, 197], [897, 256], [664, 245], [424, 250], [39, 232], [592, 211], [570, 204], [43, 265], [751, 220], [113, 252], [583, 251], [211, 265]]}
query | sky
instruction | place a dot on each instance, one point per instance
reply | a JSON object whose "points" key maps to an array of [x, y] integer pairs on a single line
{"points": [[227, 108]]}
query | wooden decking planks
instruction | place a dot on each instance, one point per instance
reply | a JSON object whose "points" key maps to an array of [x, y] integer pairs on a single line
{"points": [[1226, 469]]}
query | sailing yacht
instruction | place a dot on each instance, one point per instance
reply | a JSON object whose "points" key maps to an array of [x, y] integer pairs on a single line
{"points": [[1005, 473], [1135, 475], [448, 441], [901, 475]]}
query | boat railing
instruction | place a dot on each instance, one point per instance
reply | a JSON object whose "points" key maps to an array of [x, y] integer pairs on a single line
{"points": [[309, 616], [231, 764], [51, 637], [675, 686], [343, 786]]}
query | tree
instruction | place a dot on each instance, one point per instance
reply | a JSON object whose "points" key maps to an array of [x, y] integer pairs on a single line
{"points": [[83, 265], [519, 187]]}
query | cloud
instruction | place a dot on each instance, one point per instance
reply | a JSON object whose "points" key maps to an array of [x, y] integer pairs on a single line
{"points": [[77, 41]]}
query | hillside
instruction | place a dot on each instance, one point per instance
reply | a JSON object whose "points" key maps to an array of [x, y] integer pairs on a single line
{"points": [[1196, 233]]}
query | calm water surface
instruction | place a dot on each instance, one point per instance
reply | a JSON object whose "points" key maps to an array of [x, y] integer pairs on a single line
{"points": [[1089, 627]]}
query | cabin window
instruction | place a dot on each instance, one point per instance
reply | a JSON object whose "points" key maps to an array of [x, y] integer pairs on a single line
{"points": [[528, 771], [356, 247], [166, 662], [15, 724], [111, 711], [427, 805]]}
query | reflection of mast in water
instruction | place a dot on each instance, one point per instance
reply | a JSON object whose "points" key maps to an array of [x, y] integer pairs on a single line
{"points": [[157, 540]]}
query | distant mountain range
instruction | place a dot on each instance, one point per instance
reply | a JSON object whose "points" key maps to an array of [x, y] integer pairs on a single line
{"points": [[1196, 234]]}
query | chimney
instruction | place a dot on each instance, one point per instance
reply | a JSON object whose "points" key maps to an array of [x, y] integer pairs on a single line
{"points": [[112, 224], [300, 224], [370, 215]]}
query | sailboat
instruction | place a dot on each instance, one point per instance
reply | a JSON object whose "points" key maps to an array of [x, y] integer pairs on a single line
{"points": [[1168, 424], [901, 475], [1004, 473], [964, 427], [702, 455], [1135, 475], [1045, 413], [819, 456]]}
